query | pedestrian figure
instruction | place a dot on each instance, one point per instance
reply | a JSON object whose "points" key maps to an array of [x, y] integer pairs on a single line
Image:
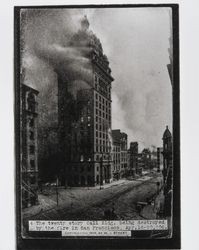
{"points": [[107, 214], [113, 214]]}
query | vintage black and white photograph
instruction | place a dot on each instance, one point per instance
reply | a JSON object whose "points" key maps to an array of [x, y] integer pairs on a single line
{"points": [[95, 91]]}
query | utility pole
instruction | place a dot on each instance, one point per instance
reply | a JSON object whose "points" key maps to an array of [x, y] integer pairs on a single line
{"points": [[101, 171], [57, 194]]}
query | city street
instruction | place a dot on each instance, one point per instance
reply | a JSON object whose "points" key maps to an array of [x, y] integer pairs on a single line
{"points": [[93, 203]]}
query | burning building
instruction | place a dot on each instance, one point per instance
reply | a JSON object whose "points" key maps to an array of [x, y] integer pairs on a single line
{"points": [[84, 112], [29, 165]]}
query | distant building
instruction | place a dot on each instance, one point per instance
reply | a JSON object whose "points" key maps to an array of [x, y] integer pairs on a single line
{"points": [[29, 155], [85, 120], [159, 158], [140, 164], [146, 158], [167, 169], [133, 157], [154, 159], [128, 161], [123, 144], [119, 153], [116, 156]]}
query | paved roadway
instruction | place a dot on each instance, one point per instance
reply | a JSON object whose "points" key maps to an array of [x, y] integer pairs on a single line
{"points": [[94, 204]]}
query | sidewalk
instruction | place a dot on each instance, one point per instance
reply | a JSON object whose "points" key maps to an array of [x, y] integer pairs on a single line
{"points": [[151, 211]]}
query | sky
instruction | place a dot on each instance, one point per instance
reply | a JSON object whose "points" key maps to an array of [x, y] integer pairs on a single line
{"points": [[136, 42]]}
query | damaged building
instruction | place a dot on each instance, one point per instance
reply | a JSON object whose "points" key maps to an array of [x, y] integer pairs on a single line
{"points": [[84, 114]]}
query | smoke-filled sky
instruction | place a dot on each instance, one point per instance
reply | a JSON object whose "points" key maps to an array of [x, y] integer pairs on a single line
{"points": [[136, 41]]}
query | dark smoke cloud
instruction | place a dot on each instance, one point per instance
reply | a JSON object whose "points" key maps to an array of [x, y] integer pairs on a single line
{"points": [[46, 51], [47, 35]]}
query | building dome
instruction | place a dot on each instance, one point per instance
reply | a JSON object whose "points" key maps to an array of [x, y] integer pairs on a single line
{"points": [[85, 37], [167, 133]]}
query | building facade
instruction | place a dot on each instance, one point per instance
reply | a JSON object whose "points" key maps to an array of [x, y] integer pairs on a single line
{"points": [[133, 157], [120, 141], [167, 170], [85, 120], [146, 158], [29, 154], [116, 155], [123, 143]]}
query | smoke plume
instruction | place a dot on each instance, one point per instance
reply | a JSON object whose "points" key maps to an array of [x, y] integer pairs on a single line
{"points": [[136, 42], [46, 51]]}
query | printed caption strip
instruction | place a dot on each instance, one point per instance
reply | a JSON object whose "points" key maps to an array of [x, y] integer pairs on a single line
{"points": [[97, 228]]}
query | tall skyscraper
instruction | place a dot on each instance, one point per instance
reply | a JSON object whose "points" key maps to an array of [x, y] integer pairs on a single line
{"points": [[84, 114]]}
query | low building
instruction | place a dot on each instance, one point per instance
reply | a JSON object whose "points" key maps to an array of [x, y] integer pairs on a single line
{"points": [[29, 152]]}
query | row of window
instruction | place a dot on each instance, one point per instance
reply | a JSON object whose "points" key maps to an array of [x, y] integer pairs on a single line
{"points": [[116, 149], [103, 104], [101, 127], [100, 157], [102, 100], [103, 108], [101, 149], [102, 87], [102, 142], [102, 114], [101, 121], [100, 135]]}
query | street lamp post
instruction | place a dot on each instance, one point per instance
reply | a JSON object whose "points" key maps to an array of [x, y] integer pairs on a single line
{"points": [[57, 194], [101, 170], [109, 165]]}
